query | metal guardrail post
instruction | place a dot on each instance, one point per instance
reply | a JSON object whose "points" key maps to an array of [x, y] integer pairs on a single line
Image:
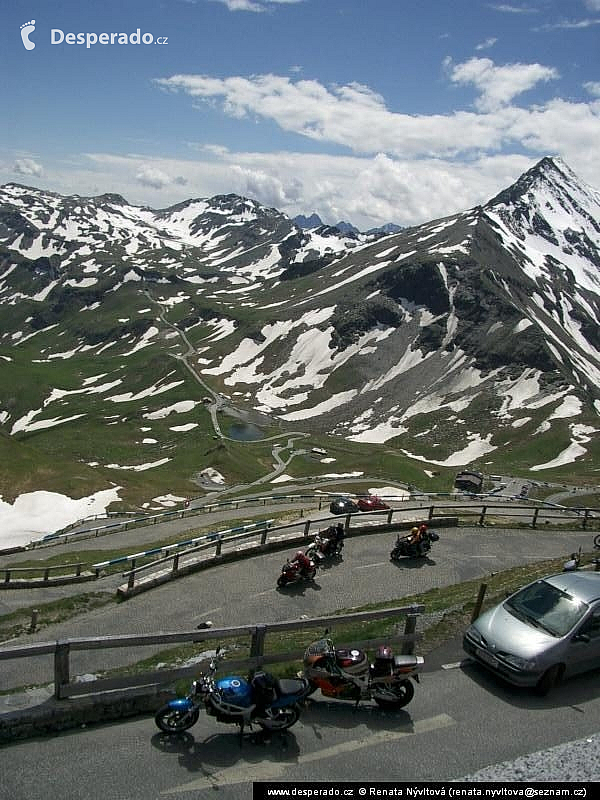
{"points": [[219, 546], [390, 514], [535, 516], [431, 511], [306, 527], [131, 580], [585, 518], [61, 667], [263, 538], [7, 576], [482, 515], [175, 562]]}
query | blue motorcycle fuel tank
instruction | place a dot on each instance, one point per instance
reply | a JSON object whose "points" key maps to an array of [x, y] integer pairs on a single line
{"points": [[235, 690]]}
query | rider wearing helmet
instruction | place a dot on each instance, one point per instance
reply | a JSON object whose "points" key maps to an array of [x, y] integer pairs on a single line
{"points": [[303, 562], [416, 539]]}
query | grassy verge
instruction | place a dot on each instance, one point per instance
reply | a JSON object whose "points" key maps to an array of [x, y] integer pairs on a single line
{"points": [[17, 623]]}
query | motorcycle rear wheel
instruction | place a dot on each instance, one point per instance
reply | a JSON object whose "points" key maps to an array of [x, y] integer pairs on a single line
{"points": [[282, 719], [173, 720], [398, 695]]}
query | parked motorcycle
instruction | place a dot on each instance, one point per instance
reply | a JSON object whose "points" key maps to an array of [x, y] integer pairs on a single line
{"points": [[346, 674], [294, 572], [404, 547], [271, 703], [326, 544]]}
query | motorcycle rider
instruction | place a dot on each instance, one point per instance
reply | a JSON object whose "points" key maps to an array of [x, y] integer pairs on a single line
{"points": [[339, 536], [416, 539], [302, 563]]}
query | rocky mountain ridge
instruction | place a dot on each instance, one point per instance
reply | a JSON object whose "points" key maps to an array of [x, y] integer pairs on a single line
{"points": [[454, 342]]}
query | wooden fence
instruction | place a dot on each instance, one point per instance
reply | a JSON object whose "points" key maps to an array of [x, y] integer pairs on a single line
{"points": [[65, 686]]}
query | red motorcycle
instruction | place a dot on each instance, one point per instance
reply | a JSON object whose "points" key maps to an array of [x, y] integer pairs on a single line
{"points": [[300, 568], [347, 674]]}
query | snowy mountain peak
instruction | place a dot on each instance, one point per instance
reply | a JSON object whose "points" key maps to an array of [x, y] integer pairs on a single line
{"points": [[448, 341]]}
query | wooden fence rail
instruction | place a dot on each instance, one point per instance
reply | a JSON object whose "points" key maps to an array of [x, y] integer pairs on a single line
{"points": [[65, 569], [258, 634]]}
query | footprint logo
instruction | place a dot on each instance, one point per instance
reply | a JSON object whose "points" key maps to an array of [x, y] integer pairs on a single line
{"points": [[26, 29]]}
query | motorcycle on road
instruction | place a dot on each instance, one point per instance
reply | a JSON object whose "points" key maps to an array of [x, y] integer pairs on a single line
{"points": [[407, 548], [272, 703], [346, 674], [295, 571], [326, 544]]}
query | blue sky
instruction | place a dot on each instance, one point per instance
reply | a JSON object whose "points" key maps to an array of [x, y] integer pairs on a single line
{"points": [[365, 111]]}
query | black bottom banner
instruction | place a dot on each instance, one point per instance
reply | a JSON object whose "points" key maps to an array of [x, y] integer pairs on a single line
{"points": [[265, 790]]}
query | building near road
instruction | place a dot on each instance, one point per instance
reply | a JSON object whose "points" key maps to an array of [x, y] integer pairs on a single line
{"points": [[469, 481]]}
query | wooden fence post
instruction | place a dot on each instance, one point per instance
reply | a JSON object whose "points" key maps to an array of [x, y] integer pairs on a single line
{"points": [[408, 648], [257, 644], [479, 602], [61, 667]]}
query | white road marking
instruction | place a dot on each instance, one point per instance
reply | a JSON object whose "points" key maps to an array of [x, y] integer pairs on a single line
{"points": [[368, 566], [246, 772]]}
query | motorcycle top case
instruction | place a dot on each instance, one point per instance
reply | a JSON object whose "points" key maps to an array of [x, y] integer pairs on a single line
{"points": [[235, 691]]}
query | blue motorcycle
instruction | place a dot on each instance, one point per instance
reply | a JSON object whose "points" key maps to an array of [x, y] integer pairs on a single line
{"points": [[270, 702]]}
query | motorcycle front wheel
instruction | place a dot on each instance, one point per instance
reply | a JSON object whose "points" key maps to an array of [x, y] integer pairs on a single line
{"points": [[398, 695], [172, 720], [281, 581], [281, 720]]}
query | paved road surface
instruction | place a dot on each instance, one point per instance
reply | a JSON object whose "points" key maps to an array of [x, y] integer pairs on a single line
{"points": [[244, 592]]}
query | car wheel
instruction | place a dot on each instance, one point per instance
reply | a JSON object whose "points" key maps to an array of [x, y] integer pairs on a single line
{"points": [[548, 680]]}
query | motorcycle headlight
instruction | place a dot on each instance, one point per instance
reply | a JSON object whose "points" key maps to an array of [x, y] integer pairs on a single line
{"points": [[525, 664]]}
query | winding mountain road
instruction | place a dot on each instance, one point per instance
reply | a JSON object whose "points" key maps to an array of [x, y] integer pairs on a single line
{"points": [[460, 720]]}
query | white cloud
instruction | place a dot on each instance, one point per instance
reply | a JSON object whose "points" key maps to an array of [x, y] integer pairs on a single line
{"points": [[487, 43], [357, 118], [256, 6], [498, 86], [593, 87], [27, 166], [149, 175]]}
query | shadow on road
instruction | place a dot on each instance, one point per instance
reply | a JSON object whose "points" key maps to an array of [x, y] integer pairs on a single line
{"points": [[414, 563], [568, 694], [223, 750]]}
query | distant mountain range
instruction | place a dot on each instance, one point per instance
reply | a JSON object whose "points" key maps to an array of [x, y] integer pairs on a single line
{"points": [[315, 221], [472, 339]]}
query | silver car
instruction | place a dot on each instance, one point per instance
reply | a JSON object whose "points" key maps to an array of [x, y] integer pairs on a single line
{"points": [[548, 630]]}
